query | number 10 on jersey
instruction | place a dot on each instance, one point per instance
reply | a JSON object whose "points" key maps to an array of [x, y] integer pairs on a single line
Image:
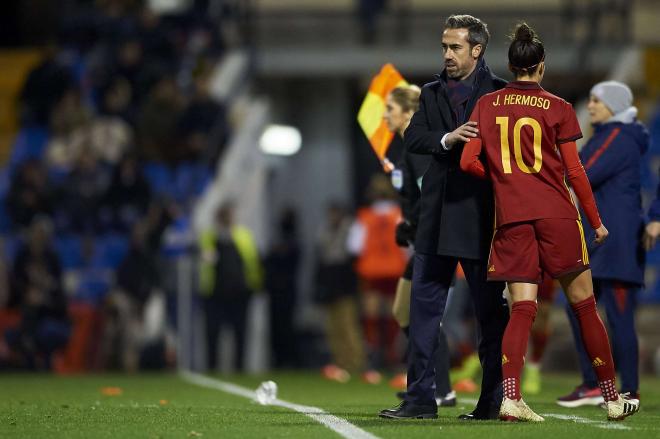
{"points": [[503, 122]]}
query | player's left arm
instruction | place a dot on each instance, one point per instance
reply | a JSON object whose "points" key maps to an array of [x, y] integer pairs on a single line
{"points": [[470, 158], [470, 161]]}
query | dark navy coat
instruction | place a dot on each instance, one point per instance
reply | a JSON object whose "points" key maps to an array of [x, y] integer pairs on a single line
{"points": [[456, 210], [612, 159]]}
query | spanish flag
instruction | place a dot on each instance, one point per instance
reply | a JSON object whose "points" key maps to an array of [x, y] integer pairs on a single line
{"points": [[370, 116]]}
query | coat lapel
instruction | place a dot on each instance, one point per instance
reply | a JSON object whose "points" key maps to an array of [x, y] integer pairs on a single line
{"points": [[442, 102], [482, 86]]}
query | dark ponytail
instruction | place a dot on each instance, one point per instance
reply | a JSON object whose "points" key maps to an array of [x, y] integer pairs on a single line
{"points": [[526, 51]]}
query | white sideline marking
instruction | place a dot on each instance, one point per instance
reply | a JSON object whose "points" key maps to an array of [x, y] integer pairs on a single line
{"points": [[581, 420], [471, 401], [334, 423]]}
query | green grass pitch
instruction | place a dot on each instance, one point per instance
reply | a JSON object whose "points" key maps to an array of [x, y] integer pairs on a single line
{"points": [[165, 406]]}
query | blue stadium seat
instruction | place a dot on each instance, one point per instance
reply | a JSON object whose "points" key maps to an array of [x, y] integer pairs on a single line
{"points": [[30, 143], [57, 175], [93, 285], [5, 182], [69, 250], [110, 250], [159, 177], [11, 244], [190, 180]]}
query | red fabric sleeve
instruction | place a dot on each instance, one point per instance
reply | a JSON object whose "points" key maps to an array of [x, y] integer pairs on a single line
{"points": [[470, 162], [569, 128], [580, 182]]}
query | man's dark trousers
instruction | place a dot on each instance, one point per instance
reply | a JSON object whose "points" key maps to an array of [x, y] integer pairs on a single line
{"points": [[432, 277]]}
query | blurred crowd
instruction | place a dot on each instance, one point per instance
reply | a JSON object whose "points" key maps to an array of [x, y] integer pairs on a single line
{"points": [[119, 134]]}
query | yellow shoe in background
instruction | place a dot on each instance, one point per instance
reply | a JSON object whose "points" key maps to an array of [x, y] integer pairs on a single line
{"points": [[470, 369], [531, 381]]}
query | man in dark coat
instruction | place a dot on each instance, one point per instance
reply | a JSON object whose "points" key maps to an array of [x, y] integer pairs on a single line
{"points": [[456, 222]]}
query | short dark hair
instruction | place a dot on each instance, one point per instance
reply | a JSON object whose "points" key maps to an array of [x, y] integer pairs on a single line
{"points": [[477, 29], [526, 51]]}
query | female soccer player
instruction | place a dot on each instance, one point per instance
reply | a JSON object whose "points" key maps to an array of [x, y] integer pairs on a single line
{"points": [[528, 137], [401, 104]]}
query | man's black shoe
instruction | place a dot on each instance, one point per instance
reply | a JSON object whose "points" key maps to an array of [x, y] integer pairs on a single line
{"points": [[449, 400], [409, 410], [479, 414]]}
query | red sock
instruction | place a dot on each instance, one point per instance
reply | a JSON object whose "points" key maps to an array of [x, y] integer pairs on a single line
{"points": [[514, 345], [539, 342], [597, 346]]}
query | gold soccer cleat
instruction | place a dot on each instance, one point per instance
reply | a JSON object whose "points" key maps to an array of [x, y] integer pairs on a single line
{"points": [[512, 410]]}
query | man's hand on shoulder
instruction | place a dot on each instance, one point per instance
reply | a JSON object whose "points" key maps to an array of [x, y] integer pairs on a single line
{"points": [[461, 134]]}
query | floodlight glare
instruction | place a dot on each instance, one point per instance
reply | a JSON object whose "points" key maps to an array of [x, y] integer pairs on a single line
{"points": [[280, 140]]}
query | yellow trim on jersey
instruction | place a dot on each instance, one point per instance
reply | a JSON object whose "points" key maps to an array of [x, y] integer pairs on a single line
{"points": [[585, 252], [492, 238], [570, 196]]}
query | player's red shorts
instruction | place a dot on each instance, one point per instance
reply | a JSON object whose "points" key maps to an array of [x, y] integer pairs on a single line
{"points": [[521, 251]]}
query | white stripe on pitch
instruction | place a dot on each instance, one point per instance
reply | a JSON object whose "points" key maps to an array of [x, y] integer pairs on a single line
{"points": [[334, 423], [580, 420]]}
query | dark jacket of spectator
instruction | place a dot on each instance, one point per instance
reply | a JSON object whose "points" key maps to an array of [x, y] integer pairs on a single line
{"points": [[43, 89], [612, 159], [129, 194], [29, 194]]}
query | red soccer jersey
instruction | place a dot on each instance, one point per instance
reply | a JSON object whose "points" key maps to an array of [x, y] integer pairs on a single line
{"points": [[520, 127]]}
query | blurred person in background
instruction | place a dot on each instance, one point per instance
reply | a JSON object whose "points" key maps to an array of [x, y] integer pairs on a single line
{"points": [[230, 272], [29, 194], [83, 192], [128, 196], [612, 159], [136, 280], [282, 267], [44, 87], [157, 122], [75, 129], [117, 97], [68, 124], [36, 289], [455, 223], [203, 120], [400, 105], [109, 133], [336, 291], [379, 264]]}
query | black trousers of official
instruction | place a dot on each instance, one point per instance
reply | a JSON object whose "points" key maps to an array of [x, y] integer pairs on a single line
{"points": [[432, 277], [220, 312]]}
